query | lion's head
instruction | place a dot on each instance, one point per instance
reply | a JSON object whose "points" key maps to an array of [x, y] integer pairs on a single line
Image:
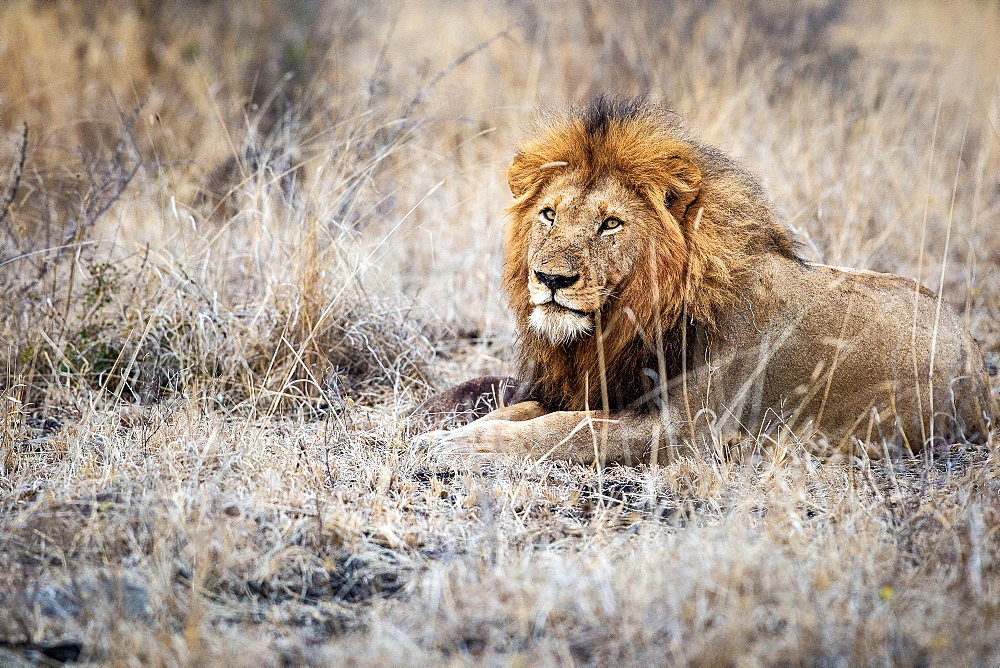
{"points": [[583, 247], [621, 223]]}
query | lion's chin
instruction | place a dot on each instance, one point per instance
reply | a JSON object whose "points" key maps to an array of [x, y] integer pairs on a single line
{"points": [[560, 325]]}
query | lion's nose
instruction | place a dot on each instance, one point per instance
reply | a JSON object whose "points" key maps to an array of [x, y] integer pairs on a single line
{"points": [[555, 281]]}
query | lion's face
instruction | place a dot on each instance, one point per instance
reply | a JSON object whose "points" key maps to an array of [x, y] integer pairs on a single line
{"points": [[617, 246], [584, 242]]}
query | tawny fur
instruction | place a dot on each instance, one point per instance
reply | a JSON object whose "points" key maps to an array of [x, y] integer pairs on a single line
{"points": [[700, 318], [695, 272]]}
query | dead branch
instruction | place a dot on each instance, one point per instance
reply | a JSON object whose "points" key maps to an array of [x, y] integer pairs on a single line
{"points": [[107, 179], [18, 171], [419, 97]]}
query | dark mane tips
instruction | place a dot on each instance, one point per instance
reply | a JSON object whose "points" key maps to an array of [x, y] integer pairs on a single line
{"points": [[607, 109]]}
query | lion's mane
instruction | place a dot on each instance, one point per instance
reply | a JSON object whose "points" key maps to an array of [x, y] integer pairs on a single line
{"points": [[714, 223]]}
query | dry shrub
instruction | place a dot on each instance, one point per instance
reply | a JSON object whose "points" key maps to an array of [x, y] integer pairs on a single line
{"points": [[142, 329]]}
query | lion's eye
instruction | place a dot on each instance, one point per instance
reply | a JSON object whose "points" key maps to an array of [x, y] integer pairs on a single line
{"points": [[548, 214], [609, 225]]}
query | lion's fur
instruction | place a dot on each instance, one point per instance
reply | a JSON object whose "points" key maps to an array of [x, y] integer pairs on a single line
{"points": [[714, 221], [647, 270]]}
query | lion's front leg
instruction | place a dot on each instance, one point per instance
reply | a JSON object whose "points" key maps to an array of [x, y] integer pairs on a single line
{"points": [[577, 436], [519, 412], [479, 437]]}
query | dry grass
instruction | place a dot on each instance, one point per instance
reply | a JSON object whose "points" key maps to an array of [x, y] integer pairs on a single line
{"points": [[203, 444]]}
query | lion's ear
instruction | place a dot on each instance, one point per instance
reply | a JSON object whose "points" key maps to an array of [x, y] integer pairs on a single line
{"points": [[682, 187], [518, 175]]}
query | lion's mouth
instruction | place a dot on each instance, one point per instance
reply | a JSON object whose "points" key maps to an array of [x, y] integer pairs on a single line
{"points": [[559, 323], [562, 307], [554, 305]]}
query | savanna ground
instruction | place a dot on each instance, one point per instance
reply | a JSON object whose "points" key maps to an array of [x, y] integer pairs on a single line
{"points": [[240, 240]]}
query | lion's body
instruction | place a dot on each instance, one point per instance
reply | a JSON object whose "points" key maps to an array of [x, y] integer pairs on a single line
{"points": [[843, 353], [658, 301]]}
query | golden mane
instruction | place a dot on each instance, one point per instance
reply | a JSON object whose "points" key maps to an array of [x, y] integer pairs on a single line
{"points": [[715, 224]]}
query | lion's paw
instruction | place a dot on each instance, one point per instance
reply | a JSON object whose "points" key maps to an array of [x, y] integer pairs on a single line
{"points": [[429, 441], [477, 438]]}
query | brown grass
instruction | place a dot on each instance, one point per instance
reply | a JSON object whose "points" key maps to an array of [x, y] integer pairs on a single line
{"points": [[202, 452]]}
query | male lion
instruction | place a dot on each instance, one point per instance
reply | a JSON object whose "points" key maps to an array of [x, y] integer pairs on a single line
{"points": [[659, 301]]}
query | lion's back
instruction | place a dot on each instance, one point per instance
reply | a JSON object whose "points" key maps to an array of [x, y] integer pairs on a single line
{"points": [[867, 354]]}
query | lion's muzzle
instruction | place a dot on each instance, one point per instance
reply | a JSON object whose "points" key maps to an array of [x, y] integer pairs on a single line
{"points": [[562, 313], [546, 287]]}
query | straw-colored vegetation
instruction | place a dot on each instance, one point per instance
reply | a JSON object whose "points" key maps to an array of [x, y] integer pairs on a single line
{"points": [[239, 240]]}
